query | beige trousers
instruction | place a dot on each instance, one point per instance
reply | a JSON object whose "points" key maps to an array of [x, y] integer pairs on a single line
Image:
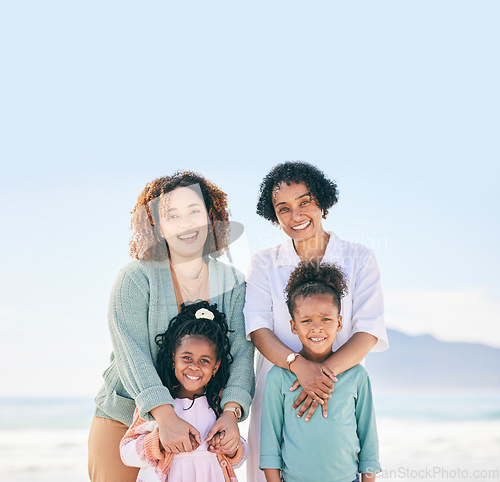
{"points": [[105, 464]]}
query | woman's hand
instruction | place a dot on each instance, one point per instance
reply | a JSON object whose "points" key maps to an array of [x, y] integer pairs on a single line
{"points": [[317, 382], [224, 436], [176, 435]]}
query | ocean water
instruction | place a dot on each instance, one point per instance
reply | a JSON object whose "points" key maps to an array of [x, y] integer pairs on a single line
{"points": [[441, 437]]}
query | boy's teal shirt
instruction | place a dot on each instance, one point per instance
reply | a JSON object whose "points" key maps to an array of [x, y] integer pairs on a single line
{"points": [[335, 448], [141, 306]]}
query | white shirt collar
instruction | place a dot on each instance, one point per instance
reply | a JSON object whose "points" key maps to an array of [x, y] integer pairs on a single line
{"points": [[287, 256]]}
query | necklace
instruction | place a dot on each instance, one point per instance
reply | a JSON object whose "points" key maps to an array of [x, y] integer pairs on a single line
{"points": [[192, 289]]}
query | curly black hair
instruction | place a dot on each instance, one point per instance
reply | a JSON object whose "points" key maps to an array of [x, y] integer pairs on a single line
{"points": [[323, 190], [215, 331], [313, 277]]}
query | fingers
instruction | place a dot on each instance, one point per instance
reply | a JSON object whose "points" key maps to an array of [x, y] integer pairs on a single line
{"points": [[295, 385], [329, 373], [312, 397], [214, 443], [229, 443], [218, 446], [302, 396], [305, 406], [311, 410], [194, 442], [215, 428], [194, 433], [325, 410]]}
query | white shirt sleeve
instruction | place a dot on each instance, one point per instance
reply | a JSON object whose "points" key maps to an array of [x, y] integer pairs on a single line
{"points": [[368, 303], [258, 309]]}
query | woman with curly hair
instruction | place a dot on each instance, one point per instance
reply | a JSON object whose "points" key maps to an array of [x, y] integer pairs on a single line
{"points": [[180, 225], [297, 196]]}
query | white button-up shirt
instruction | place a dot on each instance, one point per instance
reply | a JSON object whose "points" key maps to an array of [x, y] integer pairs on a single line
{"points": [[362, 309]]}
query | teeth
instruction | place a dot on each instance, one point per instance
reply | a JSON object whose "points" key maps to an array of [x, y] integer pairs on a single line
{"points": [[193, 378], [301, 226], [317, 339], [187, 236]]}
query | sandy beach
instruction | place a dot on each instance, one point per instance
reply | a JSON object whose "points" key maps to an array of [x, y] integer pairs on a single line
{"points": [[409, 450]]}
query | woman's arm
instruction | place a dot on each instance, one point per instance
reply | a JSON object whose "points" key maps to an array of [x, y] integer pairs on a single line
{"points": [[259, 320], [315, 380], [128, 324], [368, 326], [176, 434], [349, 354], [241, 384]]}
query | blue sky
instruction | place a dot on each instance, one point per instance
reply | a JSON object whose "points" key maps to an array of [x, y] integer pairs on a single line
{"points": [[396, 101]]}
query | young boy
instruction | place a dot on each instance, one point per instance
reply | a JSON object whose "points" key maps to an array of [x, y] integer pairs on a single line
{"points": [[345, 443]]}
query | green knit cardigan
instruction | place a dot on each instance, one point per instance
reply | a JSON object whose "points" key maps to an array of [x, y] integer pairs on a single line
{"points": [[141, 306]]}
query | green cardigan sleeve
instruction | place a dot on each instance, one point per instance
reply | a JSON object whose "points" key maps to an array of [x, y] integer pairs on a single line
{"points": [[128, 324], [241, 385]]}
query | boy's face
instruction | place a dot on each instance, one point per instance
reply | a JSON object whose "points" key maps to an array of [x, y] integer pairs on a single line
{"points": [[316, 321]]}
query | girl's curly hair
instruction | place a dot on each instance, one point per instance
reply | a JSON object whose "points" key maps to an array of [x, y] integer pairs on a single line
{"points": [[323, 190], [147, 242], [313, 277], [215, 331]]}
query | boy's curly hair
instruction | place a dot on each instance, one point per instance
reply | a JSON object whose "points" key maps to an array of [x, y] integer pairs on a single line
{"points": [[313, 277], [215, 331], [323, 190], [147, 243]]}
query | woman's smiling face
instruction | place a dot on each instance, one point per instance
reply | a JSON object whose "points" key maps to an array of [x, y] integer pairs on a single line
{"points": [[297, 212], [184, 222]]}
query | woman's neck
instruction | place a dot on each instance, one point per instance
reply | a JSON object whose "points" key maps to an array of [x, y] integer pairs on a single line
{"points": [[313, 248], [187, 267]]}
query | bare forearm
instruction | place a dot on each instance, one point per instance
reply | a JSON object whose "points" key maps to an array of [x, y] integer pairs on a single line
{"points": [[368, 477], [273, 475], [163, 413], [351, 353], [271, 346]]}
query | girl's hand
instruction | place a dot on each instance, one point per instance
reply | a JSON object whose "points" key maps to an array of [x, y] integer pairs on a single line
{"points": [[176, 435], [317, 382], [224, 436]]}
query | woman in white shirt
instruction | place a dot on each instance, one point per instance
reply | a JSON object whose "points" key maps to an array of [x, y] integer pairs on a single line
{"points": [[297, 196]]}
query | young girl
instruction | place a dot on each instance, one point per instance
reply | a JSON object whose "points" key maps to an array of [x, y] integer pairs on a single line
{"points": [[193, 363], [343, 444]]}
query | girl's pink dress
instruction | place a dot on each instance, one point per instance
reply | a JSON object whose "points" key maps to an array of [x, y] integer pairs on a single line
{"points": [[198, 465]]}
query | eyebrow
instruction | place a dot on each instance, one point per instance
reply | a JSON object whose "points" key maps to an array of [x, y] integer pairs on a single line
{"points": [[189, 353], [297, 198], [190, 206]]}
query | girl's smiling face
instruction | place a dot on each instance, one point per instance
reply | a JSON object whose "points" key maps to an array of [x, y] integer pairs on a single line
{"points": [[316, 321], [184, 222], [195, 362], [297, 212]]}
